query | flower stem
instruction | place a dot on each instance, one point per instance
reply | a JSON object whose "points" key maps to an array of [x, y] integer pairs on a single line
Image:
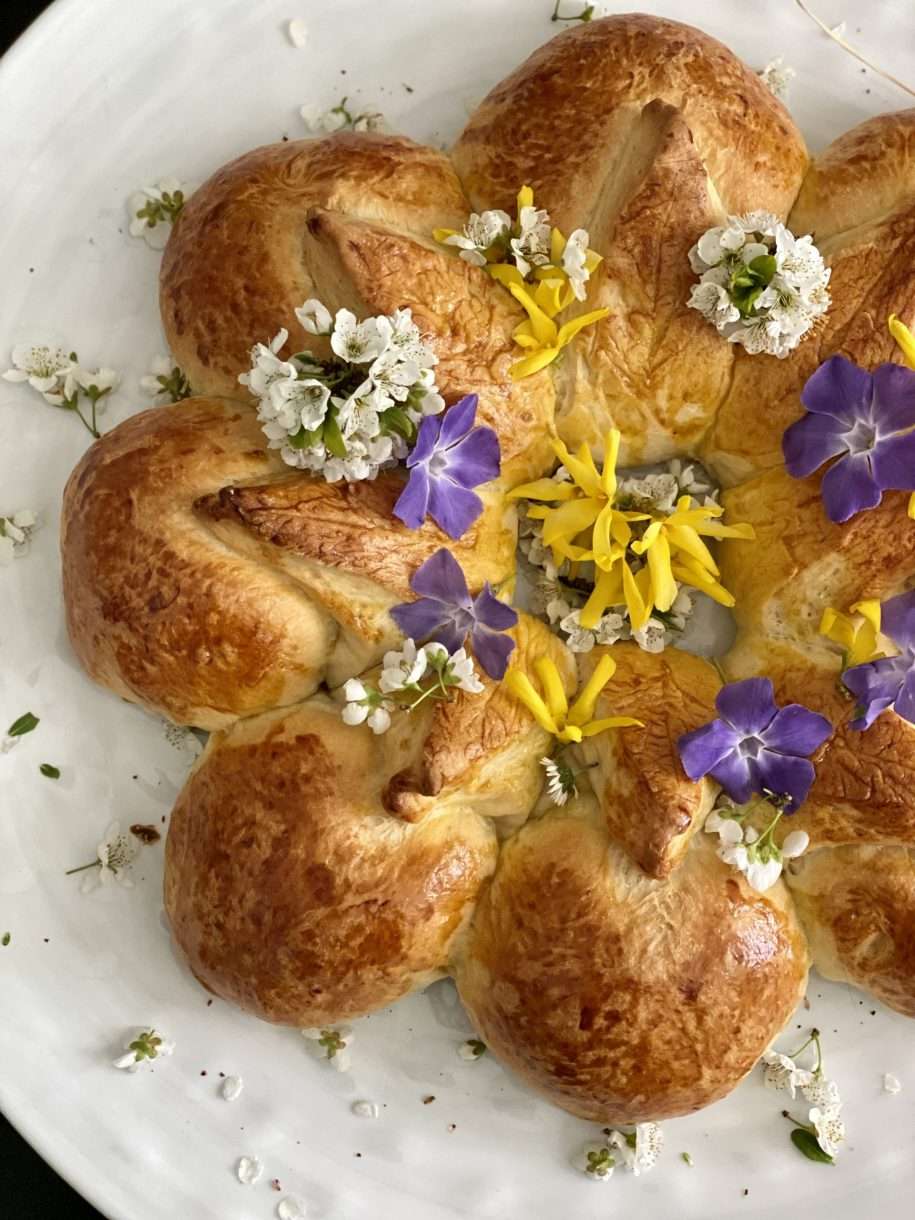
{"points": [[82, 868], [91, 428]]}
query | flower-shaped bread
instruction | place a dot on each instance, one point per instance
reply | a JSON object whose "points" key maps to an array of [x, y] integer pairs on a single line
{"points": [[316, 871]]}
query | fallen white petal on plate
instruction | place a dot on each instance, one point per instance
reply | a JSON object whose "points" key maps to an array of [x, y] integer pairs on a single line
{"points": [[248, 1169], [298, 32], [232, 1087], [891, 1083], [366, 1109], [290, 1208]]}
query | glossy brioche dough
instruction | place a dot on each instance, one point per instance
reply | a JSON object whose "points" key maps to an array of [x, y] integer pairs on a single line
{"points": [[206, 580], [619, 997], [315, 871]]}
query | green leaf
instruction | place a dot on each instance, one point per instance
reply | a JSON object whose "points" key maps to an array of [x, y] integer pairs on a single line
{"points": [[304, 439], [395, 419], [6, 939], [764, 266], [806, 1143], [23, 725], [50, 770], [333, 437]]}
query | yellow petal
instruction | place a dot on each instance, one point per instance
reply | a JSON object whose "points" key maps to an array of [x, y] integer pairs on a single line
{"points": [[870, 609], [905, 339], [911, 507], [525, 198], [544, 489], [571, 733], [663, 585], [533, 363], [607, 591], [700, 579], [441, 234], [549, 295], [581, 467], [611, 453], [557, 246], [570, 329], [521, 687], [610, 722], [639, 609], [544, 328], [685, 538], [505, 274], [583, 708], [553, 690], [569, 520], [837, 627]]}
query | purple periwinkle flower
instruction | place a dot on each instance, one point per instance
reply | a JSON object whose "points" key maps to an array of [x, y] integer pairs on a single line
{"points": [[890, 681], [860, 418], [449, 458], [756, 746], [446, 612]]}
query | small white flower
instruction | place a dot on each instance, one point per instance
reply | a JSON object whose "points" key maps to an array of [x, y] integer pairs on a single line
{"points": [[290, 1208], [116, 854], [795, 844], [365, 1109], [573, 262], [560, 781], [331, 1044], [364, 703], [595, 1160], [640, 1150], [249, 1170], [777, 76], [821, 1092], [481, 233], [232, 1087], [159, 366], [358, 342], [783, 1075], [298, 32], [762, 874], [314, 317], [16, 532], [142, 1047], [531, 248], [152, 210], [402, 670], [459, 671], [39, 364], [579, 639], [652, 637], [317, 119], [829, 1127], [891, 1083], [99, 381]]}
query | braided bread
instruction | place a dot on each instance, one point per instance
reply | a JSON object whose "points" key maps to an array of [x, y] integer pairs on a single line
{"points": [[316, 872]]}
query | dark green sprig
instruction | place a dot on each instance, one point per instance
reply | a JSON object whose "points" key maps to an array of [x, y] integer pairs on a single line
{"points": [[175, 384], [24, 724], [49, 771]]}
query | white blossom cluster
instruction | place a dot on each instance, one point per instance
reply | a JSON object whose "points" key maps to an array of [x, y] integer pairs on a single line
{"points": [[57, 374], [15, 533], [560, 601], [637, 1150], [759, 285], [152, 210], [783, 1074], [408, 677], [341, 118], [348, 417], [759, 859], [491, 236], [777, 76]]}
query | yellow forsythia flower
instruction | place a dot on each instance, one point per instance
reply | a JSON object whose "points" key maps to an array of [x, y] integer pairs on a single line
{"points": [[551, 709], [856, 632]]}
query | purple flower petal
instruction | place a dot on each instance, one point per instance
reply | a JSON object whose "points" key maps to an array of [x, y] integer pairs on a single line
{"points": [[748, 706], [897, 619], [426, 440], [796, 730], [475, 459], [893, 461], [442, 577], [458, 420], [453, 508], [418, 620], [413, 502], [810, 442], [905, 700], [705, 747], [737, 776], [785, 775], [491, 612], [452, 633], [492, 649], [849, 487], [894, 398], [839, 388], [875, 686]]}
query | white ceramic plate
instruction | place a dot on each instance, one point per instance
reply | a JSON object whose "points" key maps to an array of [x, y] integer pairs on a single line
{"points": [[102, 96]]}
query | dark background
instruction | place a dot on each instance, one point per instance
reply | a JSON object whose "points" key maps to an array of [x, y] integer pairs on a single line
{"points": [[29, 1189]]}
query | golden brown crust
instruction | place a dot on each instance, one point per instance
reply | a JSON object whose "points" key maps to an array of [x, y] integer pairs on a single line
{"points": [[620, 998], [859, 201], [349, 220], [651, 807], [857, 905], [290, 892], [205, 615]]}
